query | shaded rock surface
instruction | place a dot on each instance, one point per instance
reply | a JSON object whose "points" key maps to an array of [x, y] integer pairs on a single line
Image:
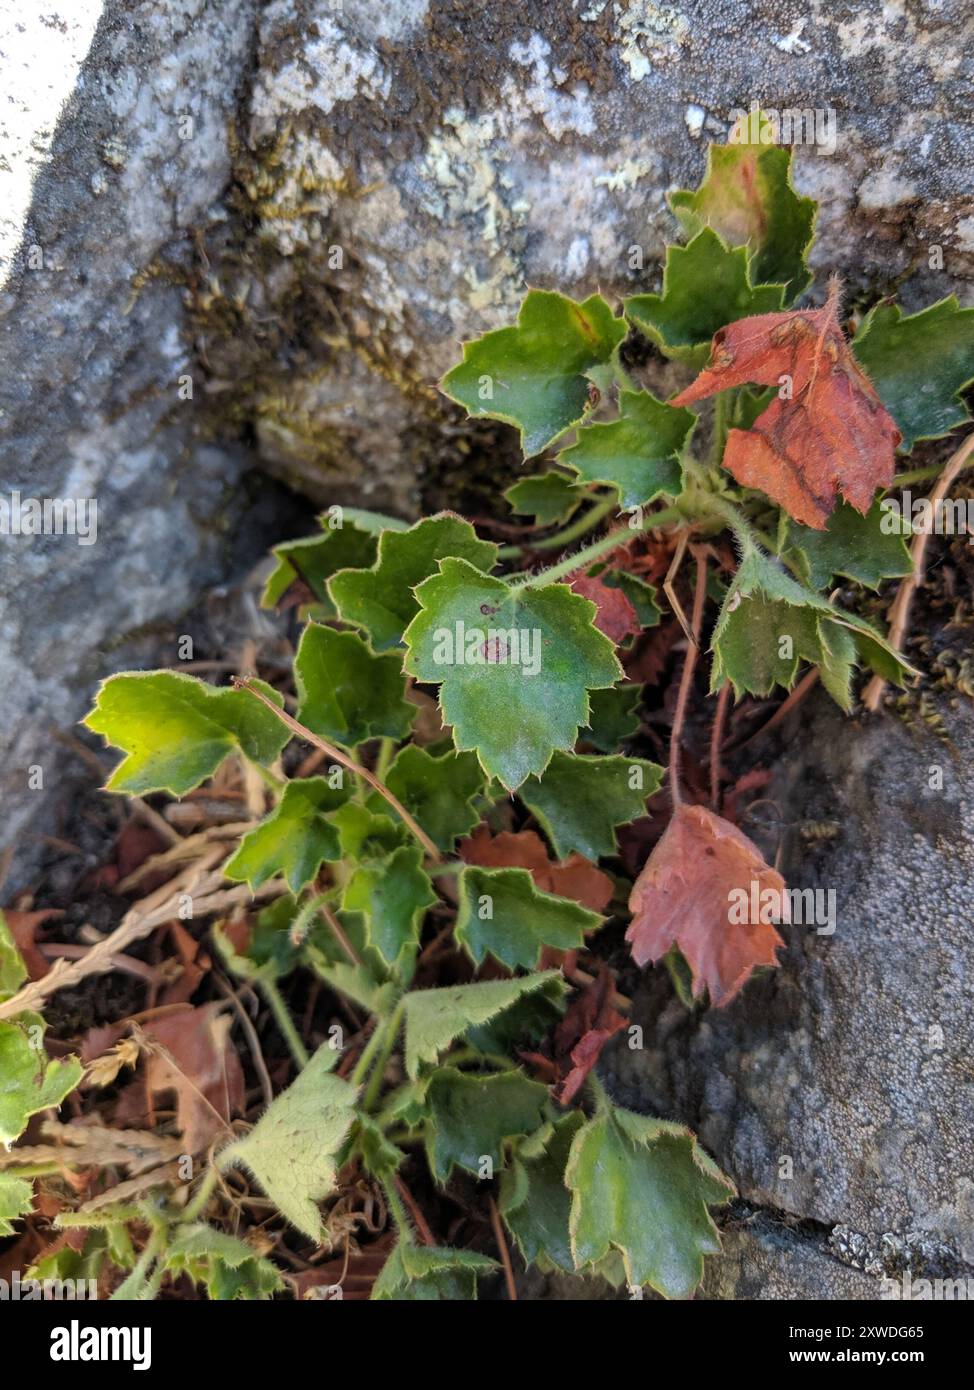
{"points": [[93, 358], [414, 166], [838, 1089], [763, 1259]]}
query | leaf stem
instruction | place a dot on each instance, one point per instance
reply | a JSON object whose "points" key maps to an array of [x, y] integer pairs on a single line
{"points": [[142, 1284], [686, 678], [580, 559], [387, 750], [202, 1195], [285, 1023], [304, 917], [723, 405], [599, 1093], [736, 520], [390, 1031], [336, 753], [361, 1069], [579, 527], [899, 613], [922, 475], [622, 535], [403, 1224]]}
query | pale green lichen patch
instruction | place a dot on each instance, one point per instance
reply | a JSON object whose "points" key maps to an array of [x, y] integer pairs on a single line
{"points": [[650, 35]]}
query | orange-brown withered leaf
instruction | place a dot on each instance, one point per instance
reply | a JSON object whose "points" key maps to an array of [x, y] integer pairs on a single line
{"points": [[706, 889], [826, 431]]}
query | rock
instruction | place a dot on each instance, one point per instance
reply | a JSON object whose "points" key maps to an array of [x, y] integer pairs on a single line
{"points": [[837, 1089], [411, 168], [763, 1258], [94, 358]]}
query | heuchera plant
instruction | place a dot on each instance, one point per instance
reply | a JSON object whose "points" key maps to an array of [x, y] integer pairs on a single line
{"points": [[462, 945]]}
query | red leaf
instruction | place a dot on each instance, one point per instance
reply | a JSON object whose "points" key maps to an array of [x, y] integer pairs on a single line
{"points": [[575, 878], [194, 963], [616, 616], [589, 1023], [578, 1040], [646, 663], [134, 844], [832, 434], [205, 1071], [196, 1062], [23, 928], [688, 894]]}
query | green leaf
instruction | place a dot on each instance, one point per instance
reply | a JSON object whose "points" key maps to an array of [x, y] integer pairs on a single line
{"points": [[750, 650], [291, 1150], [919, 363], [381, 1157], [294, 839], [16, 1199], [422, 1273], [228, 1268], [613, 717], [109, 1245], [438, 791], [269, 944], [473, 1114], [880, 657], [639, 453], [436, 1017], [548, 497], [747, 196], [406, 1105], [706, 285], [500, 911], [30, 1080], [177, 730], [642, 1187], [524, 1024], [13, 971], [866, 548], [759, 644], [514, 664], [580, 800], [769, 622], [363, 984], [681, 976], [534, 1200], [381, 599], [346, 692], [394, 894], [315, 559], [365, 833], [836, 661], [373, 522], [534, 375]]}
